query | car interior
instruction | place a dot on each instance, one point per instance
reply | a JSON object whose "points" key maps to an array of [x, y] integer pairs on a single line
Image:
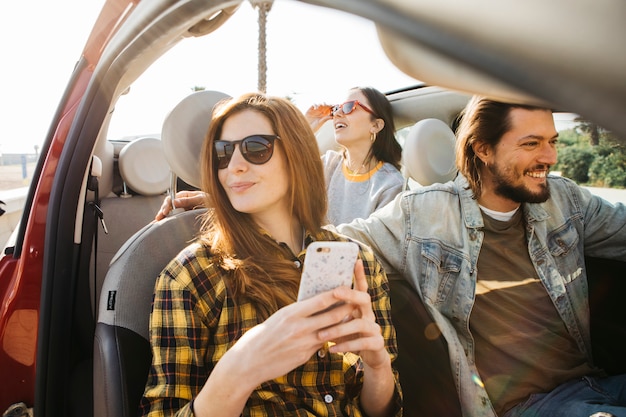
{"points": [[121, 348], [93, 350]]}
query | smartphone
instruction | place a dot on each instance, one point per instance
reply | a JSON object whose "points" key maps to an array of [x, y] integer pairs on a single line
{"points": [[327, 265]]}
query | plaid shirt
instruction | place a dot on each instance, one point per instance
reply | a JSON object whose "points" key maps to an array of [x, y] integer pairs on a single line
{"points": [[195, 321]]}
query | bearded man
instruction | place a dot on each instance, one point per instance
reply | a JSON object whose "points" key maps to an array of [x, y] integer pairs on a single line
{"points": [[497, 256]]}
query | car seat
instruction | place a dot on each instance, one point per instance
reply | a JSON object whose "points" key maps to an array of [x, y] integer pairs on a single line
{"points": [[143, 166], [428, 155], [121, 350], [146, 177], [423, 363], [122, 354]]}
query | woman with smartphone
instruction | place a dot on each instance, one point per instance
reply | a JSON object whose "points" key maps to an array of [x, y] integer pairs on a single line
{"points": [[227, 335], [364, 174]]}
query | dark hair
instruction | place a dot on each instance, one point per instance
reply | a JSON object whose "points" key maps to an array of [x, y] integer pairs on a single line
{"points": [[482, 120], [385, 148], [234, 238]]}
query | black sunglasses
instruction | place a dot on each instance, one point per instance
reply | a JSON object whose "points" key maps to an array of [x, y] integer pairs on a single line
{"points": [[349, 106], [256, 149]]}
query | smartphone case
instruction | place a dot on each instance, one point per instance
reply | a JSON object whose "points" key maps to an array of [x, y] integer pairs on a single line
{"points": [[327, 265]]}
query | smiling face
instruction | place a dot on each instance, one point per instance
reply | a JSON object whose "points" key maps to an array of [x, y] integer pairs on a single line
{"points": [[259, 190], [358, 126], [516, 168]]}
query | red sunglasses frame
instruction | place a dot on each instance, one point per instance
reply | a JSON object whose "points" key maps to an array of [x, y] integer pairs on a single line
{"points": [[337, 107]]}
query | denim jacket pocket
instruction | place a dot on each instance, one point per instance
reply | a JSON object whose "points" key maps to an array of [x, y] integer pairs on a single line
{"points": [[442, 268], [563, 240], [563, 246]]}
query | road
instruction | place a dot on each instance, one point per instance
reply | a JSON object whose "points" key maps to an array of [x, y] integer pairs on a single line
{"points": [[11, 176], [614, 195]]}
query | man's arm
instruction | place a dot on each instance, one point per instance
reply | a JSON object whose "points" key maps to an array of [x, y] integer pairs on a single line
{"points": [[384, 231]]}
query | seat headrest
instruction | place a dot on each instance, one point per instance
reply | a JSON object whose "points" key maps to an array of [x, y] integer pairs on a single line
{"points": [[183, 133], [428, 155], [143, 166]]}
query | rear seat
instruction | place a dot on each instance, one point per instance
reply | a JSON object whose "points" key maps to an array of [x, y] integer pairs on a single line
{"points": [[423, 363], [146, 176]]}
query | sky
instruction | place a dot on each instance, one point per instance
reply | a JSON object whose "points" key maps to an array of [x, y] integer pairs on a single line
{"points": [[308, 62], [40, 43]]}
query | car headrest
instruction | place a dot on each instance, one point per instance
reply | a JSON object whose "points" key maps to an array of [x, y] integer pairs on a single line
{"points": [[428, 155], [143, 166], [183, 133]]}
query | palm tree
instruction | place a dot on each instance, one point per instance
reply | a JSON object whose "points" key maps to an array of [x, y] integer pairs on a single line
{"points": [[264, 7], [590, 128]]}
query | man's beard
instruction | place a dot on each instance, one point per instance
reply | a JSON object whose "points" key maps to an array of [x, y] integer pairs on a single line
{"points": [[518, 193]]}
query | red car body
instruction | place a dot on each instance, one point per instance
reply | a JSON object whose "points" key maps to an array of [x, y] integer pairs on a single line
{"points": [[21, 268]]}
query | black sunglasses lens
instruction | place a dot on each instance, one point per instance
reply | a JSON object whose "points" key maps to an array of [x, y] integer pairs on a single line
{"points": [[224, 152], [257, 150]]}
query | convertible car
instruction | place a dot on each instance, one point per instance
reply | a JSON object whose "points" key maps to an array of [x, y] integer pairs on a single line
{"points": [[76, 277]]}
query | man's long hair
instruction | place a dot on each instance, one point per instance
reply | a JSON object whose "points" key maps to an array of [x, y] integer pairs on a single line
{"points": [[482, 120]]}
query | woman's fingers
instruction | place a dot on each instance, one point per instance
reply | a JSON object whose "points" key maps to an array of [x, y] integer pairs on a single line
{"points": [[165, 208], [186, 200], [360, 283]]}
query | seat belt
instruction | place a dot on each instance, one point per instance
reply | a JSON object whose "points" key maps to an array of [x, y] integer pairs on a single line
{"points": [[95, 171]]}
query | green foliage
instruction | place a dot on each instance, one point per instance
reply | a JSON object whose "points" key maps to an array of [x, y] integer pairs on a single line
{"points": [[570, 137], [603, 165], [574, 163], [609, 168]]}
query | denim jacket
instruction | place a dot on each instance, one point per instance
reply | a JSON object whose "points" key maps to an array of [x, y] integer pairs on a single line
{"points": [[432, 237]]}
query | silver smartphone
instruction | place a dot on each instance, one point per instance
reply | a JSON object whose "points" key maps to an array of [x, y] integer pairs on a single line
{"points": [[327, 265]]}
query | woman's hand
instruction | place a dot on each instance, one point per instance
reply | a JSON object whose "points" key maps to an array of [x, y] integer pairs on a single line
{"points": [[184, 199], [286, 340], [360, 333], [290, 336], [318, 114]]}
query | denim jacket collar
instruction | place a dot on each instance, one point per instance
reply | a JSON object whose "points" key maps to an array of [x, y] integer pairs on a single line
{"points": [[472, 216], [471, 210]]}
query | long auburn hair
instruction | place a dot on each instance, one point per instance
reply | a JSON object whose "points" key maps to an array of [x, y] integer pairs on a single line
{"points": [[260, 272], [385, 148], [482, 120]]}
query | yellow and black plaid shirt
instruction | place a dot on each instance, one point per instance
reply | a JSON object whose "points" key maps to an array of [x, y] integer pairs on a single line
{"points": [[193, 324]]}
